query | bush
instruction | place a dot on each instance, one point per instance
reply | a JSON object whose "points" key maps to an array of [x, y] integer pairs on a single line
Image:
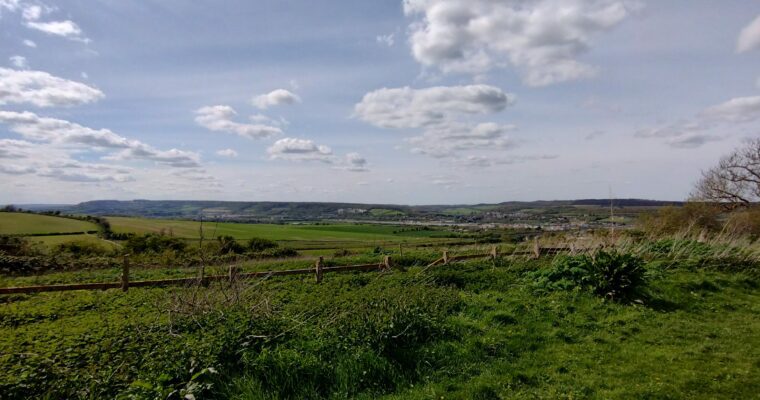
{"points": [[15, 246], [228, 245], [612, 275], [260, 244], [81, 248], [691, 217], [153, 243], [746, 223]]}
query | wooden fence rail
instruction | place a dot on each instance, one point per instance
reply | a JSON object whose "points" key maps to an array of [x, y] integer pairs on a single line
{"points": [[234, 273]]}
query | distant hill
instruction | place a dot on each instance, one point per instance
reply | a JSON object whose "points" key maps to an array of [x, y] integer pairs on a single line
{"points": [[269, 211]]}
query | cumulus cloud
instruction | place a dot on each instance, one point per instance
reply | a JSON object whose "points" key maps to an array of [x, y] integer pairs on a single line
{"points": [[437, 110], [10, 148], [541, 38], [274, 98], [692, 133], [447, 140], [19, 61], [740, 109], [62, 132], [219, 118], [413, 108], [43, 90], [29, 43], [227, 153], [355, 162], [295, 149], [749, 37], [14, 169]]}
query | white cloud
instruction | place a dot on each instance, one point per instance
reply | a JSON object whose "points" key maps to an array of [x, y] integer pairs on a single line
{"points": [[436, 110], [43, 90], [227, 153], [67, 29], [10, 148], [691, 133], [386, 40], [62, 132], [355, 162], [481, 161], [19, 62], [32, 13], [749, 38], [413, 108], [739, 109], [29, 43], [691, 140], [541, 38], [219, 118], [295, 149], [274, 98], [447, 140]]}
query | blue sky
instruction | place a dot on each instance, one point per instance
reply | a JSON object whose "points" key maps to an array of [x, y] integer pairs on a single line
{"points": [[418, 102]]}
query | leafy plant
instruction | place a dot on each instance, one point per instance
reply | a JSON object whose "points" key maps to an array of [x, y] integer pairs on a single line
{"points": [[612, 275]]}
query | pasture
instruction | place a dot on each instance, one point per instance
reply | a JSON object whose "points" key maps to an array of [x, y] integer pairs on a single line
{"points": [[469, 330], [30, 224]]}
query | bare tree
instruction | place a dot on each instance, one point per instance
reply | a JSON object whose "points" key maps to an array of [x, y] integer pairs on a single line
{"points": [[735, 181]]}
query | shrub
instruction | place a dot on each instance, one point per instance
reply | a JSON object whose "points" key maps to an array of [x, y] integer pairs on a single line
{"points": [[746, 223], [612, 275], [81, 248], [15, 246], [153, 243], [691, 217], [260, 244], [228, 245]]}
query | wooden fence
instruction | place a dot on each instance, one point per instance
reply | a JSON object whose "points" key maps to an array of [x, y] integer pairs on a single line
{"points": [[318, 270]]}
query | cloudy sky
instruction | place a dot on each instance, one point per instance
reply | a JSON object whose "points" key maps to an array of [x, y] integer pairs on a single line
{"points": [[416, 101]]}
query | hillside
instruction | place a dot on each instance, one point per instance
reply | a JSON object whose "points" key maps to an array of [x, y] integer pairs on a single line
{"points": [[266, 211]]}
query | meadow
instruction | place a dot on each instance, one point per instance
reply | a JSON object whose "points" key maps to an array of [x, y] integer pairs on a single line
{"points": [[28, 224], [472, 330], [641, 317]]}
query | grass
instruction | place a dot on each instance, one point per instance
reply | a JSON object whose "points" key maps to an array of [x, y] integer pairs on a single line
{"points": [[463, 331], [28, 224]]}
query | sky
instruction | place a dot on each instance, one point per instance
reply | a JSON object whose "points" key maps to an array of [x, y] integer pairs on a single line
{"points": [[407, 102]]}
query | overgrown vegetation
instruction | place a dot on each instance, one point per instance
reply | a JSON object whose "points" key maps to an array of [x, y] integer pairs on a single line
{"points": [[609, 274]]}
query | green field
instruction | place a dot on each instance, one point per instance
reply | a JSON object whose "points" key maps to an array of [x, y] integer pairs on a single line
{"points": [[463, 331], [27, 224], [297, 235]]}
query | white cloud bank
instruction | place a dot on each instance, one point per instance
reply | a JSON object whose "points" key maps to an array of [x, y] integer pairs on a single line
{"points": [[295, 149], [219, 118], [542, 39], [65, 133], [413, 108], [437, 110], [43, 90], [275, 98]]}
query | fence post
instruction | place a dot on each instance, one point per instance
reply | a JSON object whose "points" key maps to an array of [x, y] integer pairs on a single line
{"points": [[572, 248], [445, 257], [318, 269], [387, 263], [125, 274], [494, 252], [233, 272], [401, 249], [536, 248]]}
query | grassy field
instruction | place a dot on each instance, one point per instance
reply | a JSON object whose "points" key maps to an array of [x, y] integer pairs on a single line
{"points": [[301, 236], [27, 224], [463, 331]]}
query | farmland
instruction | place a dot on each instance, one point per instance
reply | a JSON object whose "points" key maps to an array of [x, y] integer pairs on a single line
{"points": [[26, 224]]}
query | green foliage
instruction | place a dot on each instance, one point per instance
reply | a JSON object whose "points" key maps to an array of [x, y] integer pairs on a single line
{"points": [[153, 243], [228, 245], [613, 275], [260, 244], [81, 248]]}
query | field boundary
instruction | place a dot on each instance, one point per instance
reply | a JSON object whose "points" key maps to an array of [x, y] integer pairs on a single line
{"points": [[384, 265]]}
